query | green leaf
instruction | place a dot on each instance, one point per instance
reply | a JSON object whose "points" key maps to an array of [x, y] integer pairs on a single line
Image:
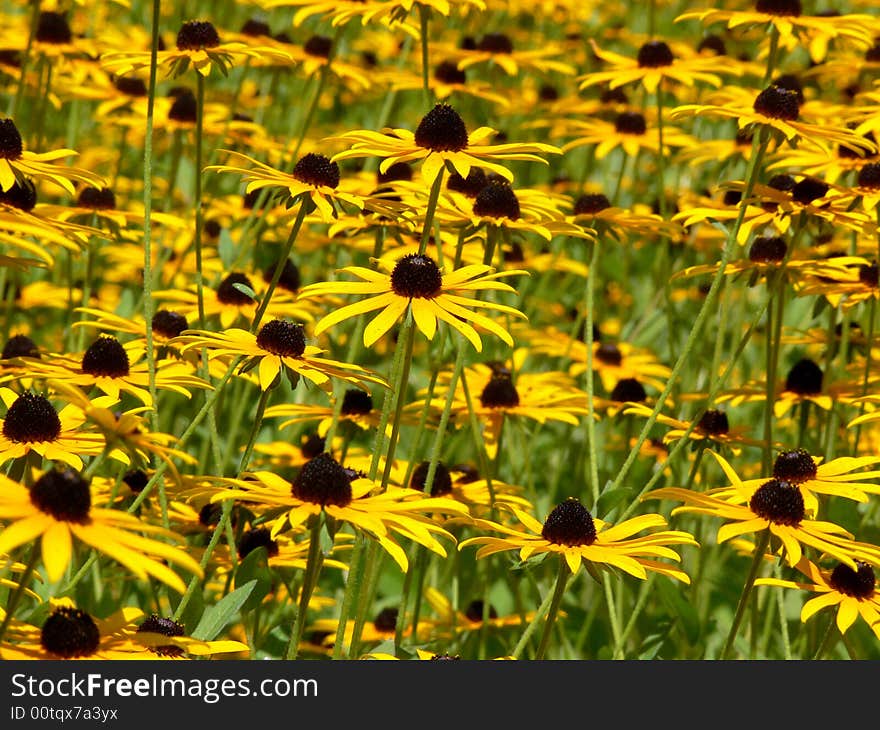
{"points": [[226, 248], [680, 608], [255, 567], [215, 618], [245, 289]]}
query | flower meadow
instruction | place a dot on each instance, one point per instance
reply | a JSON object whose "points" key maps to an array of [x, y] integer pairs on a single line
{"points": [[439, 329]]}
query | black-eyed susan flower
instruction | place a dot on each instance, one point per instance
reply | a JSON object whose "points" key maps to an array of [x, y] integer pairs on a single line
{"points": [[58, 508], [630, 131], [852, 590], [314, 177], [71, 633], [114, 369], [18, 164], [323, 485], [654, 63], [32, 424], [198, 44], [498, 49], [415, 283], [575, 535], [776, 505], [441, 138], [278, 347]]}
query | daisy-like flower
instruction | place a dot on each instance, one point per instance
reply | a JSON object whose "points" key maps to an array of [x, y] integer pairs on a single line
{"points": [[31, 424], [713, 426], [653, 64], [198, 43], [115, 368], [71, 633], [842, 477], [415, 283], [629, 131], [794, 28], [575, 535], [314, 177], [323, 485], [778, 109], [472, 617], [441, 138], [497, 49], [18, 164], [541, 397], [846, 287], [58, 508], [594, 209], [447, 80], [279, 347], [776, 505], [851, 590]]}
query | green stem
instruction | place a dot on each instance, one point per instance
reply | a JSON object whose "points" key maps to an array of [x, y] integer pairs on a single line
{"points": [[561, 581], [255, 429], [828, 640], [352, 588], [431, 209], [592, 451], [310, 580], [23, 581], [305, 207], [424, 17], [760, 549], [197, 195], [533, 625]]}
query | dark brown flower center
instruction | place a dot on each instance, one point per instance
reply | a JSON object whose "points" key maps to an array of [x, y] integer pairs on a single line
{"points": [[31, 418], [465, 473], [497, 200], [397, 171], [469, 186], [184, 108], [96, 198], [20, 346], [630, 123], [791, 8], [628, 390], [156, 624], [64, 495], [804, 378], [169, 324], [442, 130], [386, 620], [794, 467], [318, 46], [22, 195], [356, 402], [500, 392], [290, 277], [713, 423], [228, 293], [768, 250], [792, 83], [855, 583], [441, 484], [609, 353], [10, 140], [130, 86], [495, 43], [776, 102], [655, 54], [136, 480], [69, 633], [712, 43], [259, 537], [313, 446], [322, 480], [53, 28], [780, 502], [210, 514], [570, 523], [282, 337], [807, 190], [869, 176], [591, 203], [869, 274], [474, 611], [197, 34], [448, 72], [317, 170], [255, 28], [416, 276], [106, 357], [732, 197]]}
